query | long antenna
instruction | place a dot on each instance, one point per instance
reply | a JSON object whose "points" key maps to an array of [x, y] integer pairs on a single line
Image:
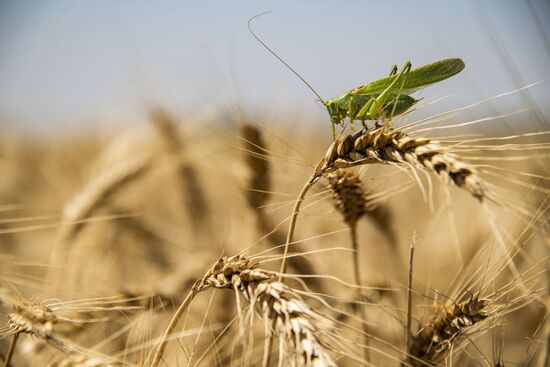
{"points": [[277, 56]]}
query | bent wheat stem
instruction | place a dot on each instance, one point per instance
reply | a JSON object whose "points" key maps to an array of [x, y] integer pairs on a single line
{"points": [[410, 292], [293, 218], [292, 226], [360, 298], [11, 350], [175, 319]]}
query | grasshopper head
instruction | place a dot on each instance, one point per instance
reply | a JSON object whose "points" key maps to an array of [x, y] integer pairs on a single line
{"points": [[335, 111]]}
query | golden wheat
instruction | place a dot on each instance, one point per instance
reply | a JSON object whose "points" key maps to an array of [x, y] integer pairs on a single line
{"points": [[389, 145]]}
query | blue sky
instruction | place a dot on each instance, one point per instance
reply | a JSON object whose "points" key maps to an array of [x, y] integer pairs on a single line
{"points": [[73, 63]]}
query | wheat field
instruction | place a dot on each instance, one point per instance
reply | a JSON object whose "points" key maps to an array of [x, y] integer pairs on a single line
{"points": [[184, 243]]}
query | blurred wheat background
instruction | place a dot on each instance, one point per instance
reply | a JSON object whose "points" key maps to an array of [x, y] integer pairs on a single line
{"points": [[151, 155]]}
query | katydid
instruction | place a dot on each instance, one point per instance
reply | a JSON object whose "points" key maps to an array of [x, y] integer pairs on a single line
{"points": [[389, 96], [383, 98]]}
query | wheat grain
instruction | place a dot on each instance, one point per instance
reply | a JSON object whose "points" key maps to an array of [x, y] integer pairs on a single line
{"points": [[386, 144]]}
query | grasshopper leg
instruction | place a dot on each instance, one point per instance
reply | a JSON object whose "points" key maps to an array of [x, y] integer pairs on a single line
{"points": [[373, 108], [407, 69], [363, 113], [393, 72], [379, 103]]}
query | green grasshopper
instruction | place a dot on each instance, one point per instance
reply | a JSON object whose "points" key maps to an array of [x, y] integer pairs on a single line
{"points": [[389, 96], [383, 98]]}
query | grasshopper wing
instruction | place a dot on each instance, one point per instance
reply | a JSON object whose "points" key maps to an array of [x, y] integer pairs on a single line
{"points": [[418, 78]]}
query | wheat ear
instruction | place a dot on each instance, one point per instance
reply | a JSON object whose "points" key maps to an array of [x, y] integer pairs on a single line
{"points": [[192, 190], [389, 145], [99, 191], [298, 327], [453, 320], [32, 318]]}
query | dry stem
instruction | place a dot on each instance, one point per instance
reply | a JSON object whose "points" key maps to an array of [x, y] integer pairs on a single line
{"points": [[11, 350], [293, 218], [410, 292], [258, 194]]}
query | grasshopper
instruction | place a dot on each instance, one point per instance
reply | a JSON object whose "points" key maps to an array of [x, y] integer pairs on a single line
{"points": [[389, 96], [381, 99]]}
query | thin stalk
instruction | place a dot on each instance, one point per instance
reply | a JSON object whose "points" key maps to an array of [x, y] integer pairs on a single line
{"points": [[357, 280], [11, 350], [170, 329], [547, 351], [292, 225], [410, 292]]}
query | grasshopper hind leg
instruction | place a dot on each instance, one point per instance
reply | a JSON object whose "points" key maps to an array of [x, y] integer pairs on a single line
{"points": [[405, 71], [393, 72], [375, 109]]}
